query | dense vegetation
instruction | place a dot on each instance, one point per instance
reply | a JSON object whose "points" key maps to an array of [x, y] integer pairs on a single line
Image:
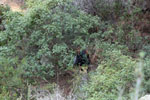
{"points": [[40, 44]]}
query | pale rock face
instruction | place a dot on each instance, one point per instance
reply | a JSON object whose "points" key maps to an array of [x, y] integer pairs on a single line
{"points": [[146, 97]]}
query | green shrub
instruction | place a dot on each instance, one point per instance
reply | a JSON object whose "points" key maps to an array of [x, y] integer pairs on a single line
{"points": [[10, 75], [117, 71], [4, 95], [146, 71], [47, 38], [3, 9]]}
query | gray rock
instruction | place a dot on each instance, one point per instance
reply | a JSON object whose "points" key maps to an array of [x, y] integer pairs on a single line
{"points": [[146, 97]]}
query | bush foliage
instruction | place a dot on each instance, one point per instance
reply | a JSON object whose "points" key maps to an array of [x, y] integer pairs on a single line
{"points": [[41, 43], [47, 38], [113, 75]]}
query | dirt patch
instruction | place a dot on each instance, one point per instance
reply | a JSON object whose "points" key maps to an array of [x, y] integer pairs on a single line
{"points": [[65, 83], [15, 5], [63, 80]]}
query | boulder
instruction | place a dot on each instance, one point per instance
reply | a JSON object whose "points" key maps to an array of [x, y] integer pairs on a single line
{"points": [[146, 97]]}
